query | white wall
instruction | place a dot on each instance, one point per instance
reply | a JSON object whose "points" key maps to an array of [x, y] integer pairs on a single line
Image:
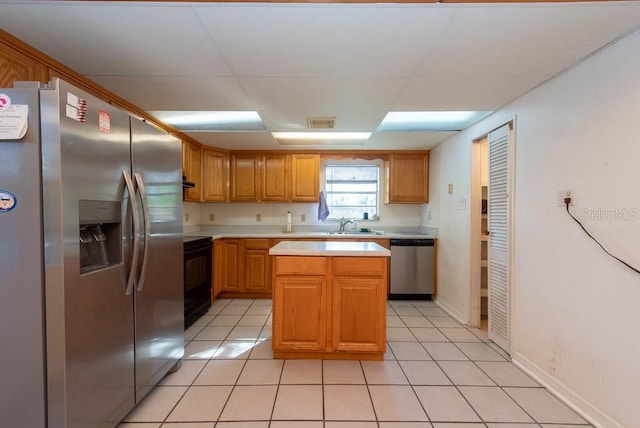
{"points": [[191, 216], [575, 311], [275, 215]]}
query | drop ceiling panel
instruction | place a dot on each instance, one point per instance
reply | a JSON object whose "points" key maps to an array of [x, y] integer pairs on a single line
{"points": [[324, 40], [236, 140], [120, 39], [279, 93], [462, 93], [406, 140], [177, 93], [526, 40]]}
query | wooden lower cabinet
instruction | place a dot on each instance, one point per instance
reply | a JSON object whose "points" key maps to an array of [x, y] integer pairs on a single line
{"points": [[329, 307], [242, 266], [304, 330], [245, 268], [257, 268], [231, 265]]}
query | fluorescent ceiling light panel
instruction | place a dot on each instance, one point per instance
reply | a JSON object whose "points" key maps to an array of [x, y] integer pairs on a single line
{"points": [[418, 121], [211, 121]]}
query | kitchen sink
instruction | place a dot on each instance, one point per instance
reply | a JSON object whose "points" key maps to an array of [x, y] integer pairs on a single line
{"points": [[354, 233]]}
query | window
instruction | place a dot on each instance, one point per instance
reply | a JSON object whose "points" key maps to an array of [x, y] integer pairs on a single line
{"points": [[352, 190]]}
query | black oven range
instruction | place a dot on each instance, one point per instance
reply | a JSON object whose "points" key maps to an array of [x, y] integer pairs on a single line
{"points": [[198, 252]]}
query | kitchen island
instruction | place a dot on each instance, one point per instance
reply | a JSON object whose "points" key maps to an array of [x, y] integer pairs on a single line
{"points": [[329, 299]]}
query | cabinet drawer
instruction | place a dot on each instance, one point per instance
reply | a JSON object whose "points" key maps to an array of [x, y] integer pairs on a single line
{"points": [[256, 244], [293, 265], [360, 266]]}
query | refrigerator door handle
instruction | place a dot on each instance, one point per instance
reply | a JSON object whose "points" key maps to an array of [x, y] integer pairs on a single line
{"points": [[136, 242], [147, 234]]}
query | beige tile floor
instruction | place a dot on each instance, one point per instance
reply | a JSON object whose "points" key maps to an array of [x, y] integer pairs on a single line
{"points": [[436, 374]]}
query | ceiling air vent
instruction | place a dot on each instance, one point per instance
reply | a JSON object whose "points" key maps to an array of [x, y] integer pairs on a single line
{"points": [[321, 122]]}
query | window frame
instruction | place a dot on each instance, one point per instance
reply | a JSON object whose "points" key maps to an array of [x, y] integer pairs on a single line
{"points": [[379, 163]]}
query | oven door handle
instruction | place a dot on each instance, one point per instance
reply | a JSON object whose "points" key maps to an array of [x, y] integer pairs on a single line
{"points": [[147, 233], [198, 250], [131, 277]]}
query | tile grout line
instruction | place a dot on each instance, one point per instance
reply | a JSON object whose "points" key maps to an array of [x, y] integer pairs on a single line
{"points": [[393, 357]]}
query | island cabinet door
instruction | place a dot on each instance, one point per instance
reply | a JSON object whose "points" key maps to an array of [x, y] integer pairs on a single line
{"points": [[299, 313], [359, 314]]}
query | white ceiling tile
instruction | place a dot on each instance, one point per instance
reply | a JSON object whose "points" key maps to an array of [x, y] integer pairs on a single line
{"points": [[279, 93], [121, 39], [324, 40], [177, 93], [462, 93], [406, 140], [236, 140], [526, 39]]}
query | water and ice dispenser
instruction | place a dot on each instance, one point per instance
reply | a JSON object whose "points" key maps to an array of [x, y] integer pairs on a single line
{"points": [[100, 235]]}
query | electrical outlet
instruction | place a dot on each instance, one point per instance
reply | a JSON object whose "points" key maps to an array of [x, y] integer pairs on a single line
{"points": [[186, 217], [258, 217], [566, 193], [303, 218], [212, 217]]}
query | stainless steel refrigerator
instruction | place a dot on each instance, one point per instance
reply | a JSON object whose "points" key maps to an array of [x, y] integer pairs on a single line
{"points": [[91, 293]]}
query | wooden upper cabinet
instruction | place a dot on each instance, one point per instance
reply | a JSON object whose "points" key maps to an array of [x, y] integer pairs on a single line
{"points": [[16, 66], [305, 177], [192, 169], [273, 177], [244, 176], [408, 178], [275, 183], [215, 166]]}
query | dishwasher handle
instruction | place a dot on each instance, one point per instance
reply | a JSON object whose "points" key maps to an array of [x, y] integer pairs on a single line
{"points": [[418, 242]]}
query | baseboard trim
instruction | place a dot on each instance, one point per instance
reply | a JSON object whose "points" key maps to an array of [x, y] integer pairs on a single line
{"points": [[581, 406], [448, 309]]}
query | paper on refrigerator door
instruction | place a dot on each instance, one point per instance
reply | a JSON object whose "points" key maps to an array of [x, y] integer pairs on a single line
{"points": [[13, 119]]}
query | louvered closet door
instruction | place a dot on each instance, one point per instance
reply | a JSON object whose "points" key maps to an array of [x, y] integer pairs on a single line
{"points": [[499, 192]]}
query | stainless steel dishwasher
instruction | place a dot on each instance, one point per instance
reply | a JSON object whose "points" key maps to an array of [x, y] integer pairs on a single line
{"points": [[412, 268]]}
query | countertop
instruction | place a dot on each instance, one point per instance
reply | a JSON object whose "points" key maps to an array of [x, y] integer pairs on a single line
{"points": [[310, 235], [329, 248]]}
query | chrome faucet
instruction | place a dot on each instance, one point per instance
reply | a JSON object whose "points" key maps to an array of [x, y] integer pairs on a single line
{"points": [[344, 222]]}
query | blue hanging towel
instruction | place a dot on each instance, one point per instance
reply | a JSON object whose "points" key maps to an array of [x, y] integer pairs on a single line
{"points": [[323, 209]]}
